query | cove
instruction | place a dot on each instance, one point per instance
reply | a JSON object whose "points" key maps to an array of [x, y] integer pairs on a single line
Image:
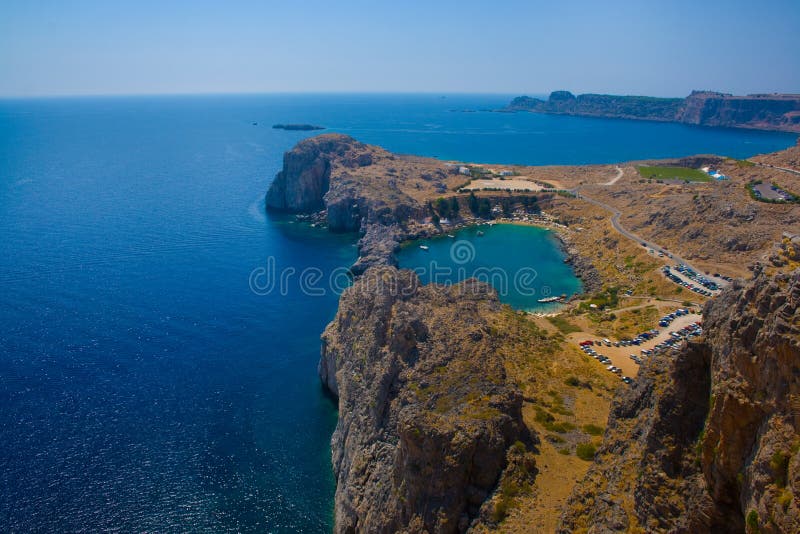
{"points": [[523, 263]]}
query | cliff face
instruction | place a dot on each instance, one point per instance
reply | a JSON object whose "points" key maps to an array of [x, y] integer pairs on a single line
{"points": [[356, 184], [426, 413], [707, 440], [305, 178], [767, 112]]}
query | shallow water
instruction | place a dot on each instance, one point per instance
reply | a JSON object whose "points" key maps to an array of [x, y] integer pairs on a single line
{"points": [[523, 263]]}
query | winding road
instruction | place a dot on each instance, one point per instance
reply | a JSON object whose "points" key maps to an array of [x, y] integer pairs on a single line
{"points": [[770, 166], [615, 216]]}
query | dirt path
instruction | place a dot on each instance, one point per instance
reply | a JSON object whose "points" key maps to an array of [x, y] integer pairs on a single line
{"points": [[612, 181]]}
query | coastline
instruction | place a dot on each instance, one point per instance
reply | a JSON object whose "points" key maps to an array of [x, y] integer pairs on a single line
{"points": [[413, 403]]}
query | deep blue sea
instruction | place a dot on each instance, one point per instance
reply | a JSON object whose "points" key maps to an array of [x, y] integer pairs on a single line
{"points": [[144, 386]]}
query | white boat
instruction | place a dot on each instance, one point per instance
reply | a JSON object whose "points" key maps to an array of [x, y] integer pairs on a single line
{"points": [[480, 233], [552, 299], [451, 236], [424, 247]]}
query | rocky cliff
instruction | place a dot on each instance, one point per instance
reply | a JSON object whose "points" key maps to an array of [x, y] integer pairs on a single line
{"points": [[766, 112], [707, 440], [426, 415], [356, 184]]}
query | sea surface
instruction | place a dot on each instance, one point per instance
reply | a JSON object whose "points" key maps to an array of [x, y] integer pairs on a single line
{"points": [[155, 374], [523, 263]]}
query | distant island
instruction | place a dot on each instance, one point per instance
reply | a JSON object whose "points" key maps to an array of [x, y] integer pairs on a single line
{"points": [[776, 111], [298, 127]]}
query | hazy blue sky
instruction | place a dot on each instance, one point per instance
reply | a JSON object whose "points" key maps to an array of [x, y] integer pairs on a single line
{"points": [[664, 48]]}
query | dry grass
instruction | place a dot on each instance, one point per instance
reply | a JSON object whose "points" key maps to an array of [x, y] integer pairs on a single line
{"points": [[540, 362]]}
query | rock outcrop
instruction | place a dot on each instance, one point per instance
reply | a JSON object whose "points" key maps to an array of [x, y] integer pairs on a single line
{"points": [[706, 108], [427, 416], [346, 178], [707, 440], [305, 178]]}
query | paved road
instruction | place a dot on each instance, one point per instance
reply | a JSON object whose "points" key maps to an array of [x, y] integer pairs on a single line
{"points": [[616, 214], [784, 169]]}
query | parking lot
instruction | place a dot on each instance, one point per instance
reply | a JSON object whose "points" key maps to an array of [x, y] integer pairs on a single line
{"points": [[620, 356], [699, 283]]}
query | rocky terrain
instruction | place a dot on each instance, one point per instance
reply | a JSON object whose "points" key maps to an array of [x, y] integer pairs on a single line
{"points": [[426, 413], [706, 108], [357, 184], [707, 440], [717, 225], [457, 413]]}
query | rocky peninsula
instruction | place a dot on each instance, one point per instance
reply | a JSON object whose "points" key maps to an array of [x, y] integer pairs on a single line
{"points": [[457, 413], [705, 108]]}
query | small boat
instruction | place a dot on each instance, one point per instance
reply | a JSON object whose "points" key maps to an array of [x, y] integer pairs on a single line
{"points": [[424, 247], [552, 299], [480, 233], [451, 236]]}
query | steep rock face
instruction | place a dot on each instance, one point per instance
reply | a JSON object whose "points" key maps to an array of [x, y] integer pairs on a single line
{"points": [[346, 178], [426, 415], [305, 177], [707, 440], [780, 112], [768, 112]]}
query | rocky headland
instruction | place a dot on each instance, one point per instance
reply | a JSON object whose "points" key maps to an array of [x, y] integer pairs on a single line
{"points": [[706, 108], [427, 414], [349, 186]]}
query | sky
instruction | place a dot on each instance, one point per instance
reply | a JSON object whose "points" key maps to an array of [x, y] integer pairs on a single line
{"points": [[659, 48]]}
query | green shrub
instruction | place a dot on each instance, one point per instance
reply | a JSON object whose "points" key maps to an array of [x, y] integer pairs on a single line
{"points": [[543, 416], [785, 499], [779, 463], [500, 510], [562, 427], [593, 430], [586, 451], [572, 381], [752, 521]]}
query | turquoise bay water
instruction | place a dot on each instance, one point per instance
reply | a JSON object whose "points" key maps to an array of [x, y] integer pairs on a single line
{"points": [[144, 386], [522, 263]]}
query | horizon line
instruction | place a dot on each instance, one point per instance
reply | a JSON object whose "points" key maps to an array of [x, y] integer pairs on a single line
{"points": [[356, 92], [333, 92]]}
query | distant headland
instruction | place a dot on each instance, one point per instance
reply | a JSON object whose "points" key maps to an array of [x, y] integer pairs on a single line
{"points": [[298, 127], [779, 112]]}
